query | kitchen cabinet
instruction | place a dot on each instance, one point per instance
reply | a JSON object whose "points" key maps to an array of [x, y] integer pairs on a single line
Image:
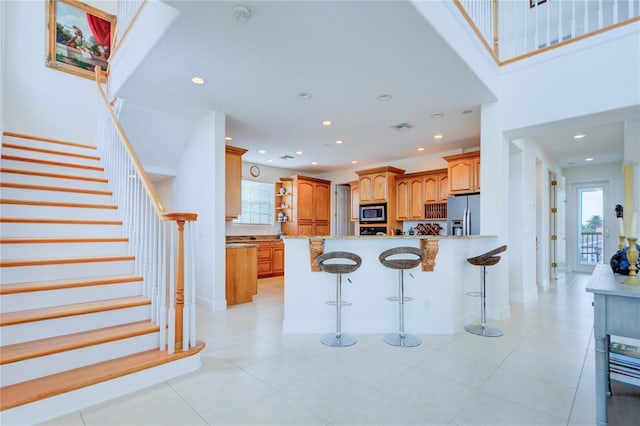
{"points": [[310, 205], [415, 190], [241, 282], [355, 201], [464, 173], [270, 258], [379, 186], [233, 181]]}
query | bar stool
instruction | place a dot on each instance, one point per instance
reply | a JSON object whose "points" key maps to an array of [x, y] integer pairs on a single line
{"points": [[487, 259], [338, 339], [401, 338]]}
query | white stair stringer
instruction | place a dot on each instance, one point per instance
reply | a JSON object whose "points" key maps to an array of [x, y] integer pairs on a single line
{"points": [[29, 369]]}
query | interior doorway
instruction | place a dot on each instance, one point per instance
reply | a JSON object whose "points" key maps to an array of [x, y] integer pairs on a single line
{"points": [[344, 226], [591, 245]]}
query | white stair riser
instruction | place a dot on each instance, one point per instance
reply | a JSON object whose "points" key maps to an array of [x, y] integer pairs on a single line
{"points": [[51, 157], [54, 196], [44, 230], [45, 168], [27, 274], [68, 296], [51, 181], [40, 250], [49, 145], [55, 363], [26, 332], [47, 212]]}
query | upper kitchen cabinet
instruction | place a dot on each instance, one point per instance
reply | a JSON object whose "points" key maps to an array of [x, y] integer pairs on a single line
{"points": [[377, 185], [409, 199], [233, 182], [310, 207], [436, 186], [464, 173]]}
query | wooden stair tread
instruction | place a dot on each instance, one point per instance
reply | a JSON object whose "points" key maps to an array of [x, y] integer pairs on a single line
{"points": [[62, 261], [56, 141], [56, 384], [54, 188], [53, 175], [51, 163], [50, 151], [59, 221], [36, 348], [58, 204], [59, 240], [31, 315], [70, 283]]}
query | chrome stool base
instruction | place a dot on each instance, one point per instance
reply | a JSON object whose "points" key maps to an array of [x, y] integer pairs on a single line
{"points": [[483, 330], [396, 339], [338, 340]]}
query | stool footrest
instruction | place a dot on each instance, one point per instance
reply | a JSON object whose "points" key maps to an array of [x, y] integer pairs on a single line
{"points": [[333, 303], [396, 299], [474, 293]]}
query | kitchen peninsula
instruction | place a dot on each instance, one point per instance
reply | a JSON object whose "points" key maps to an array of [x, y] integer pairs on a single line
{"points": [[438, 287]]}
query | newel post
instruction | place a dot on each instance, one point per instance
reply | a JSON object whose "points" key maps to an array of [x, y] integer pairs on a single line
{"points": [[180, 219]]}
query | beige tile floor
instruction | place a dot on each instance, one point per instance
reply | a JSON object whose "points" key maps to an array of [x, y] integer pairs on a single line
{"points": [[541, 372]]}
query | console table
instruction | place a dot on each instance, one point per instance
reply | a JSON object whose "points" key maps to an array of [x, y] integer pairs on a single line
{"points": [[617, 312]]}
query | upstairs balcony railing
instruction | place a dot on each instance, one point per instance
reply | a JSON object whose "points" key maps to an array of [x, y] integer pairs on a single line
{"points": [[590, 248], [516, 29]]}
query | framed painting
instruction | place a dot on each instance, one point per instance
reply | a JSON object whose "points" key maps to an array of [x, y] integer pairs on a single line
{"points": [[79, 37]]}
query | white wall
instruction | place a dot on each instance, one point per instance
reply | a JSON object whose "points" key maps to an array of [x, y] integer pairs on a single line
{"points": [[39, 100]]}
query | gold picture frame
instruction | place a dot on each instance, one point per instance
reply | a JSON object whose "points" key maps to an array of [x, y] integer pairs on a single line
{"points": [[79, 37]]}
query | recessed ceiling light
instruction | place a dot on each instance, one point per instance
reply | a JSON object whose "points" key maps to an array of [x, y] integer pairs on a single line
{"points": [[339, 141], [262, 151], [228, 138], [354, 162], [384, 97], [303, 95], [580, 136], [421, 149], [315, 163], [326, 123], [467, 111], [299, 152], [269, 161], [437, 115], [197, 80], [438, 136], [241, 13], [588, 159]]}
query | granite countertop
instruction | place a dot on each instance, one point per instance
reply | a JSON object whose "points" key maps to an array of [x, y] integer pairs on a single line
{"points": [[241, 245], [386, 237], [251, 238]]}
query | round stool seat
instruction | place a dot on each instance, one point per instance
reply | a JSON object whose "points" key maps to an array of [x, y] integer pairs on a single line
{"points": [[338, 268], [401, 263], [487, 259]]}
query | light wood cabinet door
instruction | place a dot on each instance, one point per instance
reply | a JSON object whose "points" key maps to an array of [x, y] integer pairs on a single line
{"points": [[380, 187], [444, 188], [431, 188], [305, 200], [366, 189], [355, 202], [461, 176], [402, 199], [233, 182], [277, 259], [306, 229], [241, 275], [321, 202], [476, 174], [321, 228], [416, 203]]}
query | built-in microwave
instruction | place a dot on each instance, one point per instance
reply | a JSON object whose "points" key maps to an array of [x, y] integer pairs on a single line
{"points": [[373, 213]]}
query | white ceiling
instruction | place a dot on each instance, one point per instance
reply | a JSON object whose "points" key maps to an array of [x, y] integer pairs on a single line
{"points": [[344, 54]]}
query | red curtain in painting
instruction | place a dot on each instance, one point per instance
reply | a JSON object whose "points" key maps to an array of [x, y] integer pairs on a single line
{"points": [[101, 31]]}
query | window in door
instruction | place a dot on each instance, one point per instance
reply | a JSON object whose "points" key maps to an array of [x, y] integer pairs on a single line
{"points": [[590, 241]]}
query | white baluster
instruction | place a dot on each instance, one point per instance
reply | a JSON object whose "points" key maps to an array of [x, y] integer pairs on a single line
{"points": [[192, 262], [536, 44], [586, 17], [560, 35], [163, 286], [600, 14], [573, 18], [615, 12], [548, 24], [171, 339], [525, 31]]}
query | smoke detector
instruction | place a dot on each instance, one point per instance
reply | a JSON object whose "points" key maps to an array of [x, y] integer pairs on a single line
{"points": [[241, 13], [402, 126]]}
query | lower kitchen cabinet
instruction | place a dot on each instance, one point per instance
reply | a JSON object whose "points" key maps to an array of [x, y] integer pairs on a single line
{"points": [[241, 274], [270, 258]]}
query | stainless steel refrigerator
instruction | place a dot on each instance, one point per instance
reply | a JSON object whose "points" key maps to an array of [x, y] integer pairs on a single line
{"points": [[463, 214]]}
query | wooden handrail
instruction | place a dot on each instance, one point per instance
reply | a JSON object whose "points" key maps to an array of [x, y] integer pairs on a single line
{"points": [[126, 32], [127, 145]]}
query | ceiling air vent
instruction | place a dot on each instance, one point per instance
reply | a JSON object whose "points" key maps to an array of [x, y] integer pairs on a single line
{"points": [[402, 126], [287, 157]]}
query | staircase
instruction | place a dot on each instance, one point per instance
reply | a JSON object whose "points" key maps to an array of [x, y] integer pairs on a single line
{"points": [[75, 328]]}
